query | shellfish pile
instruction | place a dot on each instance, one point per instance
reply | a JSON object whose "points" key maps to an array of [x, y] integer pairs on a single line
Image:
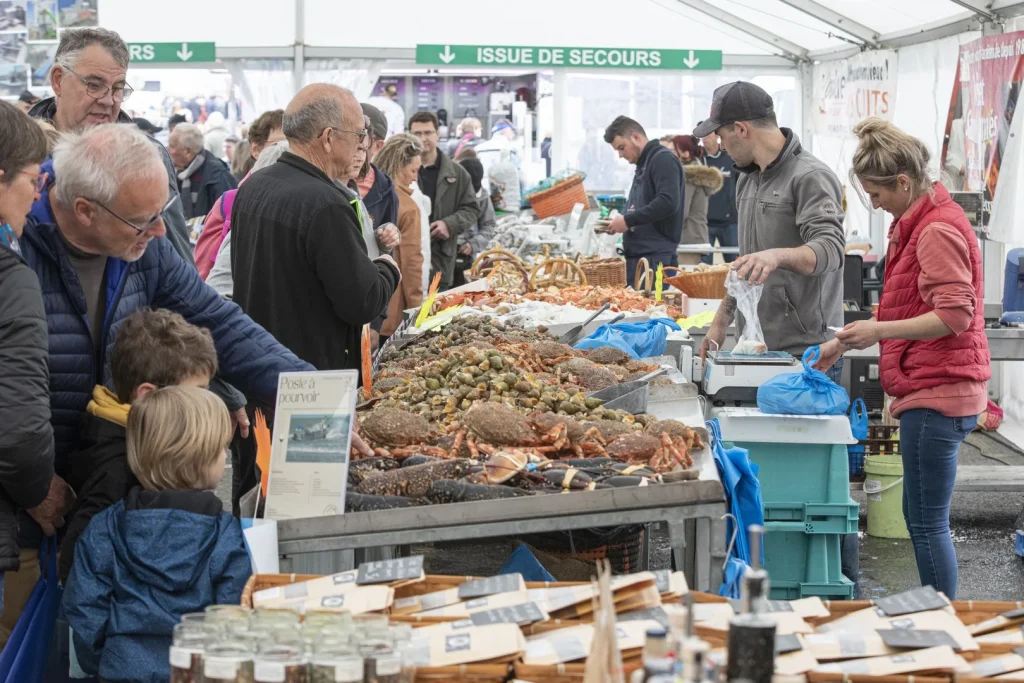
{"points": [[480, 410]]}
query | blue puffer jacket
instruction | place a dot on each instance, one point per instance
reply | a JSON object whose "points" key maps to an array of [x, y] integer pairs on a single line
{"points": [[249, 357], [382, 199], [140, 565]]}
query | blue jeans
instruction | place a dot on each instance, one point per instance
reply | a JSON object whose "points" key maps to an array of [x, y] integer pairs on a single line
{"points": [[930, 443], [727, 236]]}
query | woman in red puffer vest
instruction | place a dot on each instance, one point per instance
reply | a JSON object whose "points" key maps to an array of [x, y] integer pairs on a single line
{"points": [[930, 327]]}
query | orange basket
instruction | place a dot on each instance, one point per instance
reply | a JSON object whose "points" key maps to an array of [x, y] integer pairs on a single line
{"points": [[605, 272], [559, 199], [698, 284]]}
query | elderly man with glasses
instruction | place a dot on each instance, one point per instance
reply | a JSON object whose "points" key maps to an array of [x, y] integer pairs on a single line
{"points": [[89, 81], [300, 263]]}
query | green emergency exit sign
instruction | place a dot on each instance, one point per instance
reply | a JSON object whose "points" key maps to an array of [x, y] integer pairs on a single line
{"points": [[569, 57], [171, 53]]}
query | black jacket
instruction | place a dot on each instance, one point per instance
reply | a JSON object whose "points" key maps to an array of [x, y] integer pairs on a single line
{"points": [[722, 204], [654, 211], [382, 199], [211, 181], [300, 264], [174, 218], [455, 204], [26, 437], [100, 475]]}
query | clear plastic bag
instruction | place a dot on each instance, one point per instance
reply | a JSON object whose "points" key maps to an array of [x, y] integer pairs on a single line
{"points": [[751, 341]]}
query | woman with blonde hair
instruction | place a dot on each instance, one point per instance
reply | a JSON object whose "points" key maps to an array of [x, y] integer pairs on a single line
{"points": [[400, 159], [930, 326]]}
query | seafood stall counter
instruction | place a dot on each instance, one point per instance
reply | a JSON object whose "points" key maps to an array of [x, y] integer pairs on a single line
{"points": [[481, 429]]}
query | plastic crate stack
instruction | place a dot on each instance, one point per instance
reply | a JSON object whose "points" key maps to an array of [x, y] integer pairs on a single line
{"points": [[807, 507]]}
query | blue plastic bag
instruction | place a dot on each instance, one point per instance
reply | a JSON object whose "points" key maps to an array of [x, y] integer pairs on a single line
{"points": [[810, 392], [522, 561], [24, 658], [859, 427], [639, 340]]}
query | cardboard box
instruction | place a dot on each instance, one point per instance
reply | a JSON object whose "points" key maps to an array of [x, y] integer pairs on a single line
{"points": [[463, 609], [573, 644], [795, 663], [996, 666], [478, 644], [941, 659], [360, 600]]}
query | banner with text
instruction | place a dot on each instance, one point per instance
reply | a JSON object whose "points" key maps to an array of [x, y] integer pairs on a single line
{"points": [[985, 91], [849, 90]]}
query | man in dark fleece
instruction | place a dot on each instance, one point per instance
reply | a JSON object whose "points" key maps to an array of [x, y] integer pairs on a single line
{"points": [[166, 550], [652, 225], [154, 348]]}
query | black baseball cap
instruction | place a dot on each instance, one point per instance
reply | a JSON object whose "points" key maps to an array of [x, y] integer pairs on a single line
{"points": [[28, 97], [147, 127], [176, 119], [378, 122], [739, 101]]}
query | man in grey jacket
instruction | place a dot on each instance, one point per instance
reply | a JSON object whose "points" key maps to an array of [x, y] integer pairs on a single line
{"points": [[790, 224]]}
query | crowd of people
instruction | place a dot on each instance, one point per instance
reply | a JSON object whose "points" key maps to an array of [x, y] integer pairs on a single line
{"points": [[133, 363]]}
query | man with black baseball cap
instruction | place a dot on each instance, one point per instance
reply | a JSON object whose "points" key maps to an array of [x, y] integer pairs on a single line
{"points": [[375, 187], [791, 234], [26, 100]]}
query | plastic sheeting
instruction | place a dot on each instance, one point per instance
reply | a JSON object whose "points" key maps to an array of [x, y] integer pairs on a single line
{"points": [[357, 75], [265, 84]]}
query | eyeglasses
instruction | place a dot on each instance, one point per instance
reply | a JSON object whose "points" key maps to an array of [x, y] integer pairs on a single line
{"points": [[362, 135], [98, 91], [41, 179], [149, 224]]}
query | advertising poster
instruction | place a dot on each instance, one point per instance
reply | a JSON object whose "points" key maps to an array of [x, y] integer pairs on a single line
{"points": [[42, 19], [428, 93], [985, 93], [311, 439], [849, 90], [78, 13], [41, 57], [13, 48]]}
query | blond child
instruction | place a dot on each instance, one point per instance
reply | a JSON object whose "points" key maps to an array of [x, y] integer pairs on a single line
{"points": [[167, 549]]}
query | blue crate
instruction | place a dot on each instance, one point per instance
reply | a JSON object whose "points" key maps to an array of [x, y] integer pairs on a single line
{"points": [[801, 473], [814, 518], [803, 564]]}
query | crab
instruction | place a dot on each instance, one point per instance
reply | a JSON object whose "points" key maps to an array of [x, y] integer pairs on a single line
{"points": [[676, 428], [660, 454], [583, 441], [606, 355], [399, 433]]}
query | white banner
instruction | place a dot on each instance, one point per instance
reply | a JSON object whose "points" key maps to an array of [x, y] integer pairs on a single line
{"points": [[849, 90]]}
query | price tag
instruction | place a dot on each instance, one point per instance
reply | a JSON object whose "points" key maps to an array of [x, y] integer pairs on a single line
{"points": [[388, 571], [216, 668], [912, 639], [787, 643], [526, 613], [181, 659], [924, 599], [389, 666], [349, 672], [663, 580], [657, 614], [479, 588]]}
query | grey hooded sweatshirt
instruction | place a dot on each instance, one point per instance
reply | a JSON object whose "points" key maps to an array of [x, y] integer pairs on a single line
{"points": [[796, 201]]}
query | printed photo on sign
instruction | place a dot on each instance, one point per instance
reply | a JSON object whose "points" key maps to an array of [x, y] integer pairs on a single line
{"points": [[13, 15], [78, 13], [42, 19], [40, 61], [13, 79], [318, 438], [13, 48]]}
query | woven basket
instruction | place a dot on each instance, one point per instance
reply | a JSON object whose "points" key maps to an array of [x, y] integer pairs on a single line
{"points": [[559, 199], [622, 548], [699, 284], [605, 272], [261, 582]]}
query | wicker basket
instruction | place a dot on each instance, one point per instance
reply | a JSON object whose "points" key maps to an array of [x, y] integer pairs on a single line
{"points": [[699, 284], [605, 272], [559, 199], [622, 547]]}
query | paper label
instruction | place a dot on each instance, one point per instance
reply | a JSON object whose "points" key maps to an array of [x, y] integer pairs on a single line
{"points": [[270, 672], [349, 672], [389, 666], [181, 659], [216, 668]]}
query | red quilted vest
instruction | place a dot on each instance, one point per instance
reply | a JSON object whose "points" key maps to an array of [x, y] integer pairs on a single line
{"points": [[909, 366]]}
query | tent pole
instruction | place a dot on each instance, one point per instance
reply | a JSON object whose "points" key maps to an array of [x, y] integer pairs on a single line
{"points": [[560, 130], [299, 55]]}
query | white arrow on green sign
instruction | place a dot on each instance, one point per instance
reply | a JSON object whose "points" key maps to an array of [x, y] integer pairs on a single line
{"points": [[570, 57], [172, 53]]}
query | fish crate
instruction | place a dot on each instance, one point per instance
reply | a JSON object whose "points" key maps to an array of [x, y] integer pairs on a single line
{"points": [[814, 518], [803, 565]]}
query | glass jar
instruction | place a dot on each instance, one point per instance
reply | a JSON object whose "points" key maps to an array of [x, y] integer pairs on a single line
{"points": [[187, 646], [325, 619], [381, 664], [274, 617], [233, 615], [281, 663], [228, 661], [313, 637], [336, 663], [370, 626]]}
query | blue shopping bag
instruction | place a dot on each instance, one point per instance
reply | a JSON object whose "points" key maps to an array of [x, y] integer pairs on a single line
{"points": [[810, 392], [24, 658], [639, 340], [859, 427]]}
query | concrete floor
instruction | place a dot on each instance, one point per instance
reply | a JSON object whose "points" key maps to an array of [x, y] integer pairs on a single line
{"points": [[982, 528]]}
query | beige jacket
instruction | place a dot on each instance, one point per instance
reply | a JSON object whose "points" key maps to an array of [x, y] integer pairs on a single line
{"points": [[701, 183]]}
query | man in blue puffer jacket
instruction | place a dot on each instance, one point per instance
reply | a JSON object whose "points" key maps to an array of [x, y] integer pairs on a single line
{"points": [[96, 242]]}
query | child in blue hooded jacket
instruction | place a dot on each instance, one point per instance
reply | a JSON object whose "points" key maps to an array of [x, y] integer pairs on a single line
{"points": [[166, 550]]}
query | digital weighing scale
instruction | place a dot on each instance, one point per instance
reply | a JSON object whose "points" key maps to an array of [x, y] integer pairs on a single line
{"points": [[730, 379]]}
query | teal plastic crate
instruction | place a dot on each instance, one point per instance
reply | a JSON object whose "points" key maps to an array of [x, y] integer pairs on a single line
{"points": [[814, 518], [800, 564], [801, 473]]}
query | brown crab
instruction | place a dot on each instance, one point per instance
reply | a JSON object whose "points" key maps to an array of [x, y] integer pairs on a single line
{"points": [[676, 428], [399, 433], [660, 454], [495, 424], [606, 355]]}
